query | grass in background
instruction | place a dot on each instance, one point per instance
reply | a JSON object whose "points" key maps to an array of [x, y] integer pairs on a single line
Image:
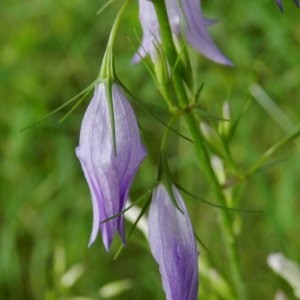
{"points": [[50, 51]]}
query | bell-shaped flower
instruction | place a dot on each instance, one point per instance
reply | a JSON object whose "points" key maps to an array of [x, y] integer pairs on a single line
{"points": [[173, 245], [182, 14], [110, 152]]}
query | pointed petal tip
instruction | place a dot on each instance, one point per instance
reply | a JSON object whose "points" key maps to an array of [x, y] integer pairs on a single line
{"points": [[225, 61], [91, 241], [279, 4], [90, 244], [106, 242], [77, 152], [230, 64], [216, 56], [135, 59]]}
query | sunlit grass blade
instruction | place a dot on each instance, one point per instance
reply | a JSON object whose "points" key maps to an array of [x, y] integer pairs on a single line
{"points": [[269, 105], [106, 5], [261, 161]]}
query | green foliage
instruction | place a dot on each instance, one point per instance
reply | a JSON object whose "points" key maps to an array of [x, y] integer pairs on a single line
{"points": [[52, 50]]}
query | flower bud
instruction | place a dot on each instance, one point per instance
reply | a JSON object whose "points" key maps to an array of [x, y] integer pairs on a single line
{"points": [[173, 245], [109, 158]]}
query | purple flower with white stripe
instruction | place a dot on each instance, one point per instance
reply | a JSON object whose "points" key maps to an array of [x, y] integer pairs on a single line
{"points": [[109, 158], [186, 14], [173, 245]]}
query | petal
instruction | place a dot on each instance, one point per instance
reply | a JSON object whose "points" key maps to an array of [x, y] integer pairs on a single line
{"points": [[195, 28], [173, 245], [130, 150], [196, 32]]}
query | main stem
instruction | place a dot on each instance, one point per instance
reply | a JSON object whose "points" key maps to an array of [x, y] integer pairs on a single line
{"points": [[202, 153]]}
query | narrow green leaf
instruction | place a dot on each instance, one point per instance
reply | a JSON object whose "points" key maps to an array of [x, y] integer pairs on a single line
{"points": [[269, 105], [241, 210]]}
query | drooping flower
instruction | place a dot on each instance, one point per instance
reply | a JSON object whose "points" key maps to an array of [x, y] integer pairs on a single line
{"points": [[173, 245], [109, 160], [279, 3], [186, 14]]}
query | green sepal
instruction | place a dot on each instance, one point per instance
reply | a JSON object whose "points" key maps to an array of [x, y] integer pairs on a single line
{"points": [[81, 97], [127, 208], [199, 92], [143, 211], [237, 121], [164, 177], [108, 91], [232, 209], [187, 70]]}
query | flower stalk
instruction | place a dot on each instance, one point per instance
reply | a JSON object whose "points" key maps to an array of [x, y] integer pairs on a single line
{"points": [[201, 151], [110, 148]]}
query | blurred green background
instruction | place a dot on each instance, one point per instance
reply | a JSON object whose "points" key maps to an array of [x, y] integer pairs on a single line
{"points": [[51, 50]]}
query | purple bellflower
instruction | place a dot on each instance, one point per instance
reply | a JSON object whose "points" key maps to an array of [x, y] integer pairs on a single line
{"points": [[183, 14], [173, 245], [109, 170]]}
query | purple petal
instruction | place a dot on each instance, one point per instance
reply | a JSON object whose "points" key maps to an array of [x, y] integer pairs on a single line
{"points": [[196, 32], [195, 29], [173, 245], [109, 176], [151, 36]]}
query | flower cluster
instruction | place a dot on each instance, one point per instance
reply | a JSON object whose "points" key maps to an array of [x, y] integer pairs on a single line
{"points": [[110, 152]]}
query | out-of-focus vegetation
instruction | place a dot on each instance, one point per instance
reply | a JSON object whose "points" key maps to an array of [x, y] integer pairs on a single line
{"points": [[50, 51]]}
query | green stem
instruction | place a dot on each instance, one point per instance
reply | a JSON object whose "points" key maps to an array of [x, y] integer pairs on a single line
{"points": [[107, 67], [202, 153]]}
